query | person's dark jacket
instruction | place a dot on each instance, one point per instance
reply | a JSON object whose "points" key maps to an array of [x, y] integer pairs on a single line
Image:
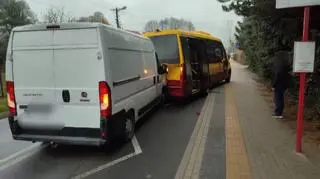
{"points": [[281, 79], [281, 71]]}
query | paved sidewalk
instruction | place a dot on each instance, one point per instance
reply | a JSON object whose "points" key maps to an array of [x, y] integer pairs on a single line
{"points": [[236, 138], [269, 143]]}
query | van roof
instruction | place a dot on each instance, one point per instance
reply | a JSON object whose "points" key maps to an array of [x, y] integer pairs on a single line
{"points": [[35, 27], [73, 25]]}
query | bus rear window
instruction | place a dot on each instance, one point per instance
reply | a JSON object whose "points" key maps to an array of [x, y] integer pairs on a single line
{"points": [[167, 48]]}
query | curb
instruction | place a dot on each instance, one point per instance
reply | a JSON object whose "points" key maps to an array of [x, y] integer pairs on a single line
{"points": [[190, 165]]}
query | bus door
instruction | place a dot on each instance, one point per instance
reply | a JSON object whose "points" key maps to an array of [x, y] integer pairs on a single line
{"points": [[204, 62], [220, 57], [199, 66], [167, 48], [187, 57]]}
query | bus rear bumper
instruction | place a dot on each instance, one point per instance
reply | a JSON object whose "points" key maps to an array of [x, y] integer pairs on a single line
{"points": [[175, 89]]}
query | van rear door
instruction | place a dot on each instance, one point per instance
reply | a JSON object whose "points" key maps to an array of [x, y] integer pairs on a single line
{"points": [[56, 75], [33, 74], [78, 69]]}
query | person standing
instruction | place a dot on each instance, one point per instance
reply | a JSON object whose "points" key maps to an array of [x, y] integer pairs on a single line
{"points": [[280, 82]]}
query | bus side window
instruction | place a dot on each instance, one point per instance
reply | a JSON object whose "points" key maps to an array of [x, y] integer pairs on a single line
{"points": [[210, 52], [223, 52], [214, 52], [185, 48], [218, 53]]}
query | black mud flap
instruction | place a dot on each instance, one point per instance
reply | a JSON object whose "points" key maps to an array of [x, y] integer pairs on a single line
{"points": [[14, 126]]}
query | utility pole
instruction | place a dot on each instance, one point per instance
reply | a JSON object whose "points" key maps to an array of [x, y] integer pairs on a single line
{"points": [[230, 24], [117, 10]]}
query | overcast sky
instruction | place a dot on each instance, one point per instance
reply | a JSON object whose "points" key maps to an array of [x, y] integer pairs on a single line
{"points": [[206, 15]]}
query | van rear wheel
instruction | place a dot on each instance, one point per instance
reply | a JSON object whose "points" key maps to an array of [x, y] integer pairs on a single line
{"points": [[129, 127]]}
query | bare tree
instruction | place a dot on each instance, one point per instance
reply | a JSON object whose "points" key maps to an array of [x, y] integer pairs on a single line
{"points": [[57, 15], [96, 17], [84, 19], [151, 26], [190, 26], [164, 24], [169, 23]]}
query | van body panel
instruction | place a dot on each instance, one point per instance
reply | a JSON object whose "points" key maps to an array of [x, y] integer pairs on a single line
{"points": [[78, 74], [133, 70], [59, 63], [34, 79]]}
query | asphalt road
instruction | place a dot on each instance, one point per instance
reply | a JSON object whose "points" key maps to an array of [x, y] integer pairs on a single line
{"points": [[7, 145], [162, 136]]}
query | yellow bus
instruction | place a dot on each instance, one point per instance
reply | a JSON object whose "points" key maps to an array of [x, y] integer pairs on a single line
{"points": [[196, 60]]}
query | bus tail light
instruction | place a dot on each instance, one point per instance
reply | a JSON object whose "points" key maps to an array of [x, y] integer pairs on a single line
{"points": [[182, 75], [11, 99], [105, 99]]}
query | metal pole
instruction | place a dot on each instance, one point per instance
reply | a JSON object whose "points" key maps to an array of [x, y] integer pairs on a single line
{"points": [[117, 18], [117, 10], [300, 124]]}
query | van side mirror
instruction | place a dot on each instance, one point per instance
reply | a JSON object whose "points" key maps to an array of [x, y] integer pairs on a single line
{"points": [[163, 69]]}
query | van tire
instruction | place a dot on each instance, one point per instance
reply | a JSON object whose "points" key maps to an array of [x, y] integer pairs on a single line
{"points": [[128, 126]]}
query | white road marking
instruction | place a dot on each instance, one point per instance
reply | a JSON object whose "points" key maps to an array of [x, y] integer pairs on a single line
{"points": [[19, 156], [136, 146], [2, 161], [24, 153], [137, 151], [103, 167]]}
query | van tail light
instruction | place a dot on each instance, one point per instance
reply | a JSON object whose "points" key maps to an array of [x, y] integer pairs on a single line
{"points": [[105, 99], [11, 99]]}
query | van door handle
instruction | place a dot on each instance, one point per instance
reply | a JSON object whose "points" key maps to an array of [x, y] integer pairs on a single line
{"points": [[66, 96], [154, 80], [23, 106]]}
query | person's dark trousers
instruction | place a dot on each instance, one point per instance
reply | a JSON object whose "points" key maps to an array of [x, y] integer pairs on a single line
{"points": [[279, 100]]}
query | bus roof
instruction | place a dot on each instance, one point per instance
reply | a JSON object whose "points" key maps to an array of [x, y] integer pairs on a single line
{"points": [[200, 34]]}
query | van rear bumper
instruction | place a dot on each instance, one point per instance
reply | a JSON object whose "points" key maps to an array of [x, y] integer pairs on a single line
{"points": [[67, 135], [61, 139]]}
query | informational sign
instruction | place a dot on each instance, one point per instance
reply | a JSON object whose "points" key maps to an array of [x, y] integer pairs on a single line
{"points": [[296, 3], [303, 58]]}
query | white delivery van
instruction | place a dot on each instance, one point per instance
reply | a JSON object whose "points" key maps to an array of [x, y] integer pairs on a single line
{"points": [[79, 83]]}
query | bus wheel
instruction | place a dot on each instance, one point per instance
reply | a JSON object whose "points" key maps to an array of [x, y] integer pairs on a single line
{"points": [[204, 92], [129, 126]]}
